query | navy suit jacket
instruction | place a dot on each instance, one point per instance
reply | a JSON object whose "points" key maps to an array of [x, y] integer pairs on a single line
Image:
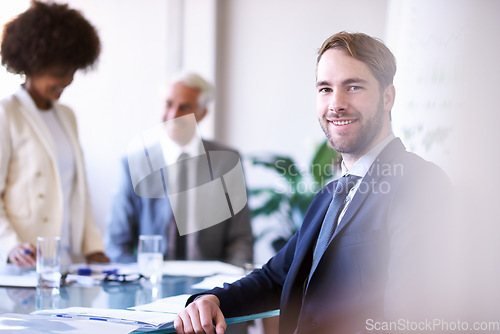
{"points": [[363, 272], [132, 215]]}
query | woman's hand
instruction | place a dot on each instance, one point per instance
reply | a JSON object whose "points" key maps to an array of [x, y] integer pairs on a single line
{"points": [[23, 255]]}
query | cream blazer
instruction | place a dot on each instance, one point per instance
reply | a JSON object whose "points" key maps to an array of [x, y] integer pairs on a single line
{"points": [[31, 201]]}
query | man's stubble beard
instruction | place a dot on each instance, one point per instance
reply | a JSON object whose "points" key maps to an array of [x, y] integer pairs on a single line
{"points": [[372, 128]]}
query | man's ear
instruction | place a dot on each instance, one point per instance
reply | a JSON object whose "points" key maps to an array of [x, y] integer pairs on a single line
{"points": [[200, 114], [389, 97]]}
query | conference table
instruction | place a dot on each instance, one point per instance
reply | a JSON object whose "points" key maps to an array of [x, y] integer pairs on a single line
{"points": [[122, 294]]}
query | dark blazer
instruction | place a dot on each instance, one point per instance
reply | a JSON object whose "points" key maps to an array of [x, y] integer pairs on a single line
{"points": [[364, 265], [132, 215]]}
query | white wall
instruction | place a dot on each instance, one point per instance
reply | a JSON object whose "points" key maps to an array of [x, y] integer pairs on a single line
{"points": [[121, 97], [447, 55], [430, 58]]}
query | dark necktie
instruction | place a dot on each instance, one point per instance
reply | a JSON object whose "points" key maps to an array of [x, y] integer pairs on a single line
{"points": [[344, 185], [177, 243]]}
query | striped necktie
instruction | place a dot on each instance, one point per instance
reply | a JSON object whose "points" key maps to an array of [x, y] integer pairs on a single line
{"points": [[344, 185]]}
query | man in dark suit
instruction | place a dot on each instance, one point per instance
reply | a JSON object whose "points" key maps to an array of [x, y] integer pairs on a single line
{"points": [[144, 207], [361, 253]]}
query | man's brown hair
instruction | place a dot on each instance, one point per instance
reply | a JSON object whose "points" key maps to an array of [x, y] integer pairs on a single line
{"points": [[369, 50]]}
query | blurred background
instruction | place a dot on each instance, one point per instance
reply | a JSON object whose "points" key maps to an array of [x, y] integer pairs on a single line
{"points": [[261, 55]]}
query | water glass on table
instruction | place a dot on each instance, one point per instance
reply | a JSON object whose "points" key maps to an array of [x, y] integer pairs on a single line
{"points": [[150, 257], [48, 262]]}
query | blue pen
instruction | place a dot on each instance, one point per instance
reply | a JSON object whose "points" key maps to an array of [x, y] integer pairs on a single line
{"points": [[64, 316], [84, 271], [110, 271], [28, 252], [89, 271]]}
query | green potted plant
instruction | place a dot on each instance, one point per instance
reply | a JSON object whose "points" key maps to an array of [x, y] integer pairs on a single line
{"points": [[291, 204]]}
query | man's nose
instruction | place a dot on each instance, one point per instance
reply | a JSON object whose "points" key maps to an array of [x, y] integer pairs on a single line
{"points": [[338, 103], [171, 112]]}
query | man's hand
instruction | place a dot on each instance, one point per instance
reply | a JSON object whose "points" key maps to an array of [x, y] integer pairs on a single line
{"points": [[23, 255], [98, 257], [203, 316]]}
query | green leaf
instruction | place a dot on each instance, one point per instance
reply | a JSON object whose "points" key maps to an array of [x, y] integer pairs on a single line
{"points": [[282, 165], [324, 164], [270, 206], [260, 191], [293, 204]]}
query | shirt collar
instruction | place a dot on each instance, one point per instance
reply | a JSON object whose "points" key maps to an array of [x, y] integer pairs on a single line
{"points": [[364, 163], [172, 150]]}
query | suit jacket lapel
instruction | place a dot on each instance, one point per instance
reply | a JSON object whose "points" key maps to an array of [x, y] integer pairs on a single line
{"points": [[370, 181], [31, 113], [308, 242], [303, 257]]}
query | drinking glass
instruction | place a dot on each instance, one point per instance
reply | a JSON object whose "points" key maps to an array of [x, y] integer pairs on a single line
{"points": [[48, 262], [150, 256]]}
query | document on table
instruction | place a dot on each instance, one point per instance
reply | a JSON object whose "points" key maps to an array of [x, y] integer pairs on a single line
{"points": [[172, 304], [216, 281], [23, 281], [12, 275], [143, 319], [34, 324], [199, 268]]}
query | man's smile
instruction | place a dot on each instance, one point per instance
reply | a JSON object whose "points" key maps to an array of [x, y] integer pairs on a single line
{"points": [[340, 122]]}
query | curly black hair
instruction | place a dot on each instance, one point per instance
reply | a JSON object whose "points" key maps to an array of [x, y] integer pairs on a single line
{"points": [[48, 34]]}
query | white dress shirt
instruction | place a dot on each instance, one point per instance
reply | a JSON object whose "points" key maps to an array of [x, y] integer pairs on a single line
{"points": [[66, 164], [362, 166]]}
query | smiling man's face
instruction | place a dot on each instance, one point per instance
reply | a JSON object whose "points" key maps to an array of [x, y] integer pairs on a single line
{"points": [[182, 100], [353, 111]]}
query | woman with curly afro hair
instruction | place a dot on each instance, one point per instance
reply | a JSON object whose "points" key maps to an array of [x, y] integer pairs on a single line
{"points": [[43, 188]]}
